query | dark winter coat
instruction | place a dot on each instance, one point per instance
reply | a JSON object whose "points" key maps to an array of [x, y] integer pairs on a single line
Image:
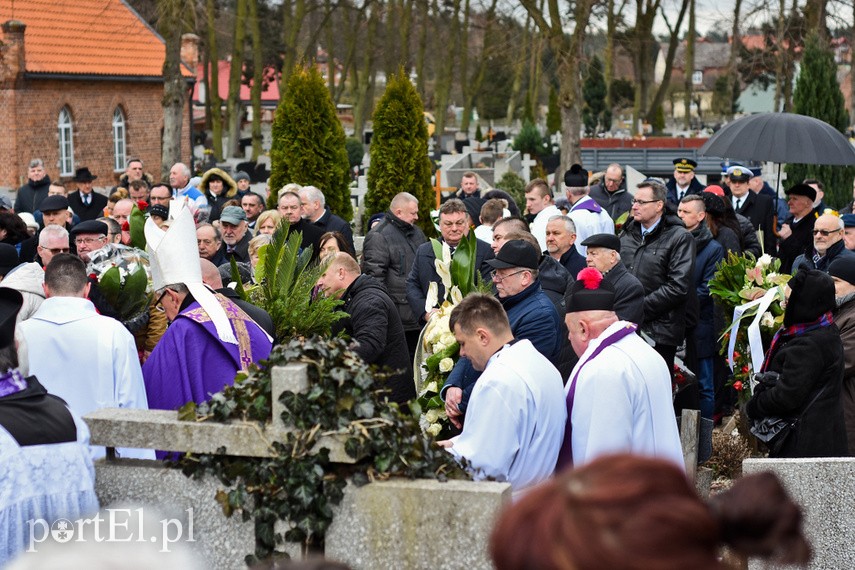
{"points": [[375, 327], [615, 203], [664, 263], [807, 363], [806, 259], [760, 210], [749, 242], [216, 203], [573, 262], [93, 211], [423, 273], [629, 294], [556, 282], [801, 239], [729, 240], [329, 222], [844, 318], [387, 255], [29, 196], [240, 251], [708, 254], [695, 187]]}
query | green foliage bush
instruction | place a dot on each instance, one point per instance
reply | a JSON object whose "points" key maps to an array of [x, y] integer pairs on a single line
{"points": [[308, 142], [817, 94], [529, 140], [399, 151], [355, 151], [513, 184]]}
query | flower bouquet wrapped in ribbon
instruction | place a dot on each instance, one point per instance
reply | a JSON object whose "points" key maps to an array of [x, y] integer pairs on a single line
{"points": [[124, 280], [751, 292], [438, 351]]}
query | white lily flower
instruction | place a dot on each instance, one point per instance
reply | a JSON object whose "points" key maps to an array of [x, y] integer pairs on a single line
{"points": [[764, 261], [443, 269], [456, 295], [432, 296], [446, 253]]}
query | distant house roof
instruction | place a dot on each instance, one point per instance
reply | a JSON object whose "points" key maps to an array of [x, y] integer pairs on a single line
{"points": [[269, 89], [87, 37], [707, 55]]}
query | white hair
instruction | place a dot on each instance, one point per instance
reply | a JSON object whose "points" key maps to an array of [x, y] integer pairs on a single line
{"points": [[314, 194]]}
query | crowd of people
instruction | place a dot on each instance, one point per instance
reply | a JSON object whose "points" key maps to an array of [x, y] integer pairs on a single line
{"points": [[595, 293]]}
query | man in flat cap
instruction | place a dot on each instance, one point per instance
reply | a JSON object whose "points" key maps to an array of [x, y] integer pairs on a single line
{"points": [[618, 396], [797, 231], [683, 181], [235, 233], [842, 270], [758, 208], [604, 256], [54, 213], [590, 218]]}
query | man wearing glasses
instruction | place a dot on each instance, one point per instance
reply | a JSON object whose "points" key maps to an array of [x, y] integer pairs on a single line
{"points": [[89, 236], [828, 245], [611, 194], [531, 314], [656, 247]]}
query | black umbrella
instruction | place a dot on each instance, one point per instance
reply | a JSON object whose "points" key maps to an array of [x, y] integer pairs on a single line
{"points": [[781, 138]]}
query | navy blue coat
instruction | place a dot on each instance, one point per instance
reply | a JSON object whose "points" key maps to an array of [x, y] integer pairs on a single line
{"points": [[695, 187], [708, 254], [424, 273]]}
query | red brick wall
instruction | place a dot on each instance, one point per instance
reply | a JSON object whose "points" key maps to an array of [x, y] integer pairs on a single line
{"points": [[29, 114]]}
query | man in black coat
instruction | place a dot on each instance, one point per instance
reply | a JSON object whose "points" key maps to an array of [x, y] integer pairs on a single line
{"points": [[86, 203], [388, 254], [660, 253], [29, 196], [611, 194], [759, 209], [797, 230], [372, 323], [827, 245], [560, 240], [290, 208], [683, 182], [454, 223], [604, 256], [318, 213]]}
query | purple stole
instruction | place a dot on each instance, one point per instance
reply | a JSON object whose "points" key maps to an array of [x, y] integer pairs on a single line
{"points": [[587, 204], [238, 320], [565, 456]]}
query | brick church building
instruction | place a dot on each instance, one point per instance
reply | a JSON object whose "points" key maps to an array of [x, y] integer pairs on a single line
{"points": [[81, 85]]}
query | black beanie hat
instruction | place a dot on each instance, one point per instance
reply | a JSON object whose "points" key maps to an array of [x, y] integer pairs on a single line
{"points": [[812, 296], [843, 268]]}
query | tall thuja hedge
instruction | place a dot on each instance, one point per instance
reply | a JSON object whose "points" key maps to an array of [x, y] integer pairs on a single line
{"points": [[817, 94], [399, 156], [309, 143]]}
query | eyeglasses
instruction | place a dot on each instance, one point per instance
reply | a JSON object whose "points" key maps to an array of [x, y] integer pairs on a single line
{"points": [[157, 305], [825, 233], [55, 250], [498, 278], [641, 202], [614, 180], [89, 241]]}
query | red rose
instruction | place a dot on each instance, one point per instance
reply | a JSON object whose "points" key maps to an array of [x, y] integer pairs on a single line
{"points": [[93, 276], [126, 227], [142, 205], [745, 369], [736, 354], [737, 385]]}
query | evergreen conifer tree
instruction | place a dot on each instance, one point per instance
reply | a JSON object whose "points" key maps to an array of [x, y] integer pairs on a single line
{"points": [[399, 151], [817, 94], [309, 143]]}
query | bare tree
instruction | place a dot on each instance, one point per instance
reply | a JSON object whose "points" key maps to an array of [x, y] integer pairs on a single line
{"points": [[212, 91], [472, 85], [674, 40], [735, 42], [233, 110], [174, 17], [446, 71], [689, 67], [568, 51], [257, 78]]}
